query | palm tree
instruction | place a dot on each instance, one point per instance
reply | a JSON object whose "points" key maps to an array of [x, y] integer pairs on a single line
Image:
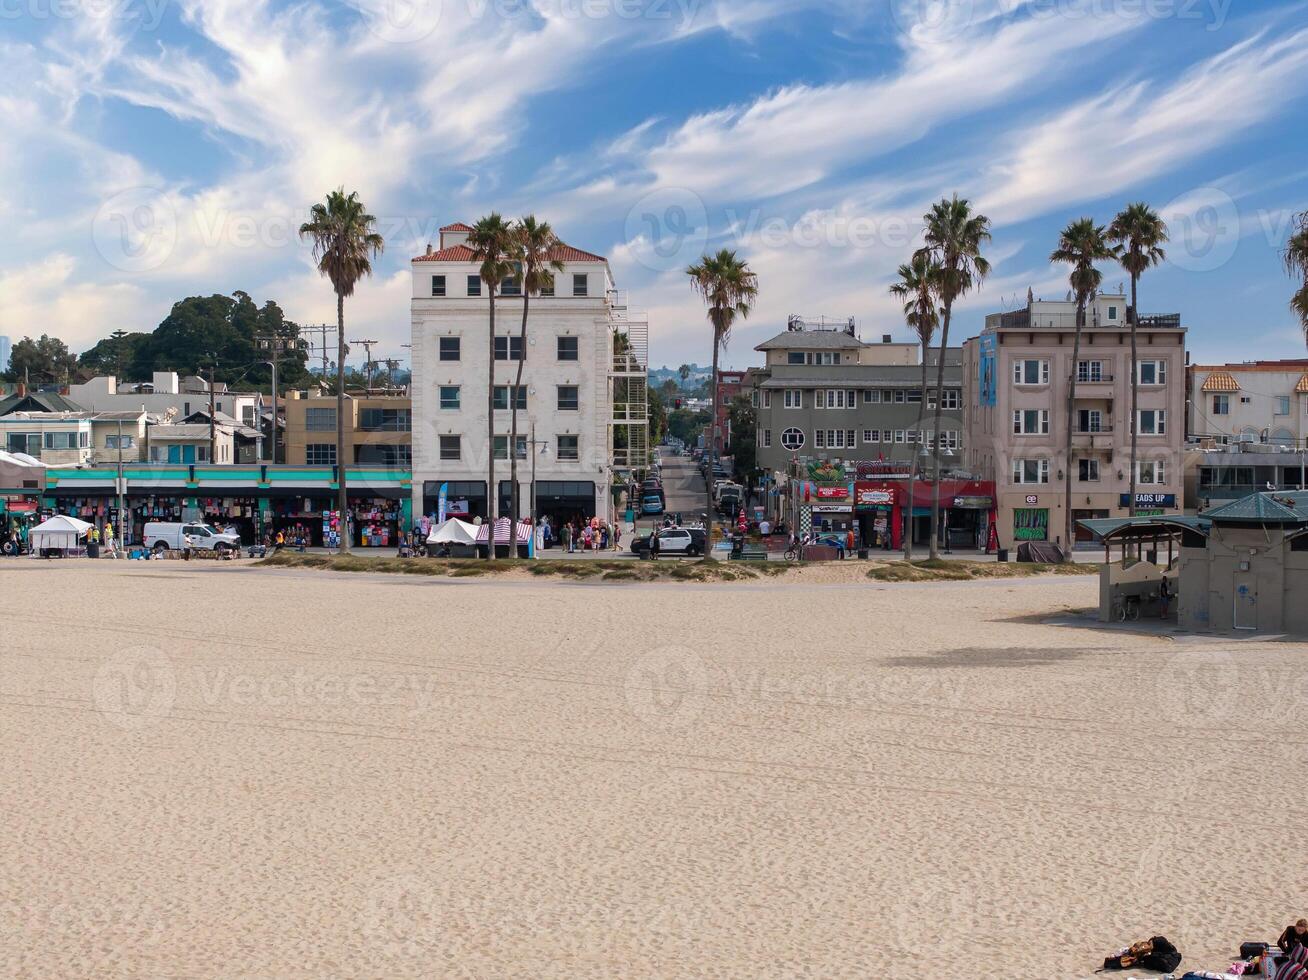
{"points": [[917, 287], [345, 242], [684, 373], [954, 236], [1138, 235], [729, 287], [492, 245], [534, 244], [1081, 245], [1296, 264]]}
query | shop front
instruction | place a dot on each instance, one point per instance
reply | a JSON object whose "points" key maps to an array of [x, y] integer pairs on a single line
{"points": [[970, 516], [565, 500], [464, 499], [880, 511]]}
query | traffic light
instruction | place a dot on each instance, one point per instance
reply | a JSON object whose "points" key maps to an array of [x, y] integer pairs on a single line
{"points": [[677, 403]]}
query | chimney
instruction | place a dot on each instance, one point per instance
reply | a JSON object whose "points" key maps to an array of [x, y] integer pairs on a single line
{"points": [[429, 248]]}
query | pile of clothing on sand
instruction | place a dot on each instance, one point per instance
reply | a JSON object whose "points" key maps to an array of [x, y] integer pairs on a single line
{"points": [[1287, 959]]}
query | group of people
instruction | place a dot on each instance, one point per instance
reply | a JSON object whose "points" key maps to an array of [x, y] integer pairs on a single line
{"points": [[296, 537], [580, 534], [103, 538]]}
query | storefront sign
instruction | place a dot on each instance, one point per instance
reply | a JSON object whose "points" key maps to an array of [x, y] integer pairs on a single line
{"points": [[831, 508], [1032, 499], [1150, 500], [1031, 525], [876, 498], [833, 493], [883, 469], [826, 472], [974, 503]]}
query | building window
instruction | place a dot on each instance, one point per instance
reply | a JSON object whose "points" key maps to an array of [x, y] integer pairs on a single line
{"points": [[795, 357], [765, 438], [580, 284], [449, 398], [1090, 420], [914, 397], [474, 285], [374, 454], [820, 439], [1153, 372], [871, 435], [871, 397], [1221, 404], [568, 398], [202, 454], [567, 348], [953, 399], [449, 348], [547, 284], [568, 449], [320, 454], [793, 398], [502, 397], [438, 285], [1282, 404], [885, 435], [502, 447], [320, 419], [385, 420], [792, 439], [1031, 422], [1112, 313], [900, 397], [120, 442], [1152, 422], [1088, 470], [767, 398], [901, 436], [451, 447], [1031, 372], [1090, 371], [1151, 472], [512, 285], [62, 440], [508, 348], [1030, 471]]}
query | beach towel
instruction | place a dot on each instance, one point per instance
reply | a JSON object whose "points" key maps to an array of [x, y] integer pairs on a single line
{"points": [[1290, 970]]}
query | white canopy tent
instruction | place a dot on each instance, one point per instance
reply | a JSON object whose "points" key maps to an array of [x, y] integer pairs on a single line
{"points": [[59, 531], [453, 531]]}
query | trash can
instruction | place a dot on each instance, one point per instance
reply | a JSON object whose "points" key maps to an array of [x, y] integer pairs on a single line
{"points": [[1003, 554], [92, 549], [862, 554]]}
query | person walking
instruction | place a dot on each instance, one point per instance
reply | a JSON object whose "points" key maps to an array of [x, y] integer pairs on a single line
{"points": [[110, 548], [279, 542]]}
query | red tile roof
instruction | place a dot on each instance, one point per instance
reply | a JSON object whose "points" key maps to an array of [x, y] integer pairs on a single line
{"points": [[457, 226], [464, 253]]}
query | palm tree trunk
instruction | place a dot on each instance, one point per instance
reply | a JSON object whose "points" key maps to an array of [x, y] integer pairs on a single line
{"points": [[940, 408], [342, 493], [912, 472], [712, 446], [492, 493], [1135, 389], [513, 433], [1071, 422]]}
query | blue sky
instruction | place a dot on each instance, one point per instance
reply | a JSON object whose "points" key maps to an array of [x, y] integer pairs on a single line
{"points": [[154, 149]]}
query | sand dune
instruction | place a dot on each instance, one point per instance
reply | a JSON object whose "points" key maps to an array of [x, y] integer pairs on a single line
{"points": [[230, 772]]}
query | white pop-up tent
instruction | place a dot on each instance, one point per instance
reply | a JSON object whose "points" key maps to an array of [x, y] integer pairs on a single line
{"points": [[453, 531], [59, 531]]}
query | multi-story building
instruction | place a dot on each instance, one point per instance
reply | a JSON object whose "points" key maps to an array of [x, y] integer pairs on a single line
{"points": [[378, 429], [1018, 379], [1253, 402], [730, 386], [169, 396], [76, 438], [582, 411]]}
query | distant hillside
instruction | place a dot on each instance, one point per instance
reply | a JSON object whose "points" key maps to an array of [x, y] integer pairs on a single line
{"points": [[698, 375]]}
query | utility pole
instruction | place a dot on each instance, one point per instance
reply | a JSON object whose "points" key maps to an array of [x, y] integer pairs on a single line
{"points": [[368, 362], [121, 550], [117, 337], [276, 346], [213, 439]]}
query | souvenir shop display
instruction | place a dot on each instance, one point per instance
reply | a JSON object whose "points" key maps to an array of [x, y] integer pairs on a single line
{"points": [[378, 523], [331, 528]]}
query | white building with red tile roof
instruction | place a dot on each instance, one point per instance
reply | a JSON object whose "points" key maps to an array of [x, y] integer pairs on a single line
{"points": [[567, 393]]}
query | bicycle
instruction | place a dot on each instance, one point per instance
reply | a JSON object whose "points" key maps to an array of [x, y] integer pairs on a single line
{"points": [[795, 552], [1127, 608]]}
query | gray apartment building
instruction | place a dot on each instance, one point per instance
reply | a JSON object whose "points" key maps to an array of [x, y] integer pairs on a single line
{"points": [[825, 394]]}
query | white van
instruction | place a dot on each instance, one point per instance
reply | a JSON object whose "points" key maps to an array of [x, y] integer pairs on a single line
{"points": [[200, 537]]}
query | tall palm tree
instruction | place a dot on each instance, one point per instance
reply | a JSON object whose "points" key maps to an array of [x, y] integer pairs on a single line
{"points": [[534, 244], [683, 372], [345, 242], [1138, 235], [729, 287], [954, 235], [1081, 244], [492, 245], [917, 287], [1296, 264]]}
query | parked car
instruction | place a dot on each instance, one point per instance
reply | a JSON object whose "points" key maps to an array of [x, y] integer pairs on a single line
{"points": [[652, 503], [166, 535], [687, 541]]}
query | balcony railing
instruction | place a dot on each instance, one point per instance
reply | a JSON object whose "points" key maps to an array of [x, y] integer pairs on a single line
{"points": [[1100, 430], [1102, 379]]}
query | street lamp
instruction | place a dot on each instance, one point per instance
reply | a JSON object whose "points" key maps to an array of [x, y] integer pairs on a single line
{"points": [[543, 451]]}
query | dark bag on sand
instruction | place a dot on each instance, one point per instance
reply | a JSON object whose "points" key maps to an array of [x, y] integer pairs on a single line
{"points": [[1157, 954], [1249, 950]]}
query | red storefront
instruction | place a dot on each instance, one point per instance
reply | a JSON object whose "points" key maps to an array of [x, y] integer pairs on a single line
{"points": [[966, 507]]}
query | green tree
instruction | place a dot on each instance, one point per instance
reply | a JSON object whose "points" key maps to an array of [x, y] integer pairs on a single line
{"points": [[1081, 245], [729, 288], [345, 242], [45, 360], [744, 437], [918, 286], [669, 389], [1138, 234], [686, 425], [1296, 264], [658, 417], [113, 355], [954, 237], [534, 249], [493, 247], [684, 373]]}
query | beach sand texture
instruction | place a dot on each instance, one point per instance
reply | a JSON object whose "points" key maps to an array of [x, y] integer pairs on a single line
{"points": [[223, 771]]}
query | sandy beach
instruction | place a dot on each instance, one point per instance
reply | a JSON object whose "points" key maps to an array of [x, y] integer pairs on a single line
{"points": [[227, 771]]}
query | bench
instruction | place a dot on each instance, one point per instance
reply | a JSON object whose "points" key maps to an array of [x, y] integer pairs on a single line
{"points": [[751, 552]]}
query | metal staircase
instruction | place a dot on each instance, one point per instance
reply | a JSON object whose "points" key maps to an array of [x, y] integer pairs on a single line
{"points": [[629, 389]]}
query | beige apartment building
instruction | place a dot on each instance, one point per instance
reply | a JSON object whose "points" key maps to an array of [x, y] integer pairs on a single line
{"points": [[377, 429], [1017, 377]]}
